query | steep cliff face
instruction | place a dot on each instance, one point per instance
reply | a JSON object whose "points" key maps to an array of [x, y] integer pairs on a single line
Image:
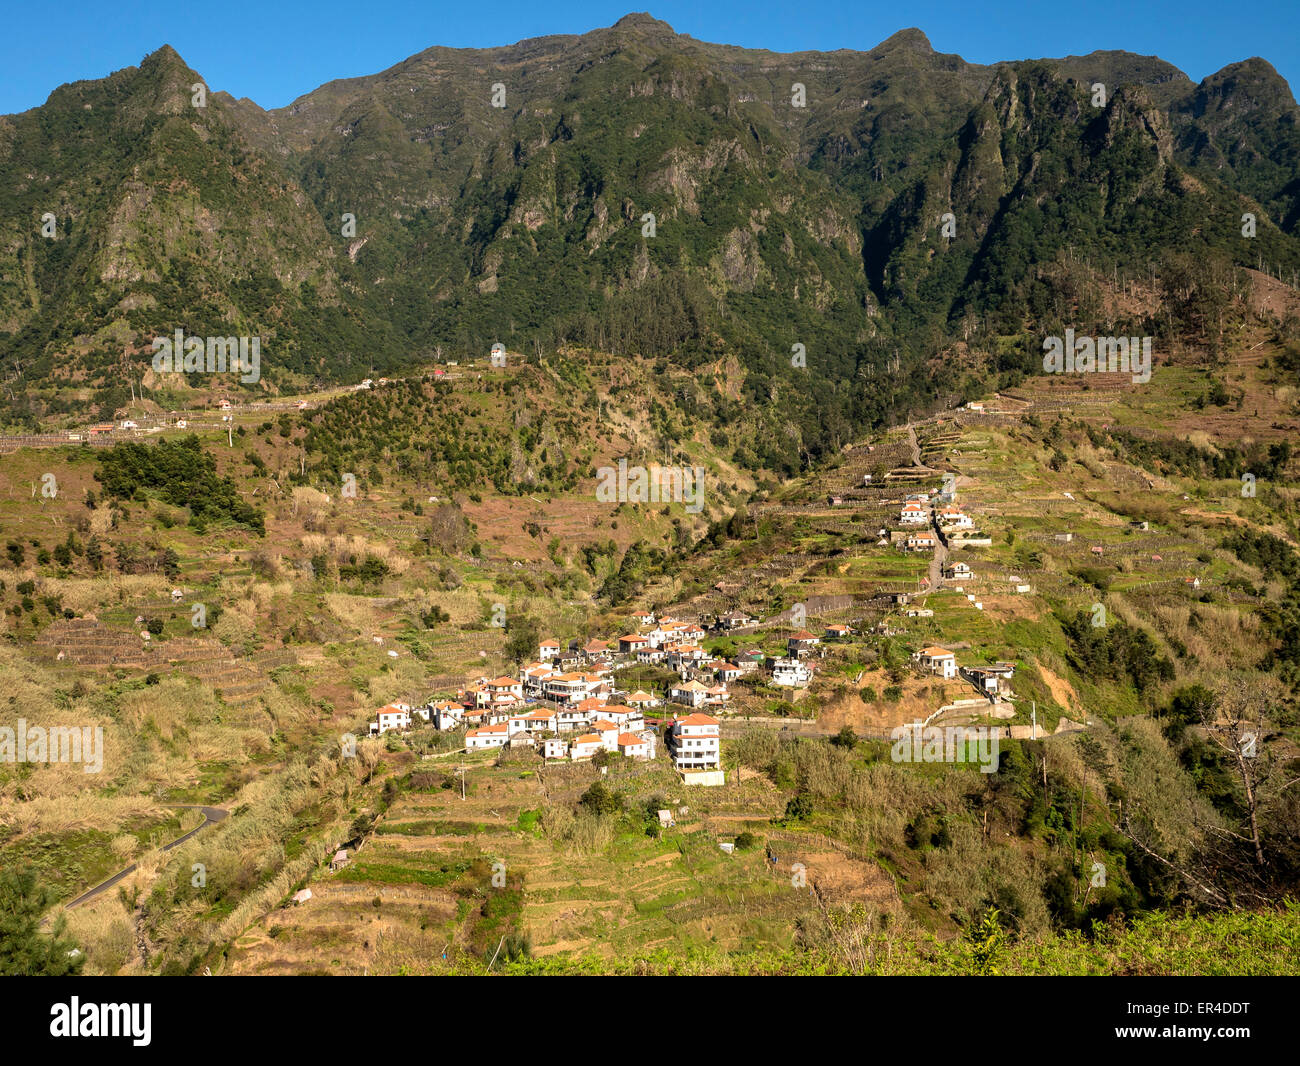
{"points": [[558, 188]]}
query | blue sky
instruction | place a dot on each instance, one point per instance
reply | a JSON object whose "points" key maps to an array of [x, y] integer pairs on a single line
{"points": [[275, 50]]}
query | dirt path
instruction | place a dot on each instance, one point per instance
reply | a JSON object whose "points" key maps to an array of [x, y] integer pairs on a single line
{"points": [[939, 561]]}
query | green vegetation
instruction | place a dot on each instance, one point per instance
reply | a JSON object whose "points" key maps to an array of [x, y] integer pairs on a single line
{"points": [[182, 474]]}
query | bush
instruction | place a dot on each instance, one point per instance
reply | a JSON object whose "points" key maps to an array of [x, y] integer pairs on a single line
{"points": [[601, 799]]}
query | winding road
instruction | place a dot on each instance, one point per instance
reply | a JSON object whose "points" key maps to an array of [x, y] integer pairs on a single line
{"points": [[211, 815]]}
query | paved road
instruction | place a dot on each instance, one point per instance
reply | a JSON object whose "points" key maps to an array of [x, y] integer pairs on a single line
{"points": [[210, 815]]}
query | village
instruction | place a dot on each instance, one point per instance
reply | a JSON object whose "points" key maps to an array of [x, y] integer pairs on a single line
{"points": [[571, 702]]}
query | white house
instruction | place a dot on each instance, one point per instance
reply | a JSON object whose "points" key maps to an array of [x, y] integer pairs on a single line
{"points": [[695, 742], [447, 714], [548, 650], [691, 693], [801, 642], [957, 571], [393, 716], [913, 514], [555, 748], [534, 679], [608, 733], [955, 518], [488, 736], [628, 719], [585, 746], [791, 673], [536, 721], [641, 700], [637, 745], [734, 620], [631, 643], [501, 687], [571, 688], [727, 672], [938, 661], [920, 542]]}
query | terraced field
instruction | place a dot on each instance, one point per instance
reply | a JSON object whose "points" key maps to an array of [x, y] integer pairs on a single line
{"points": [[422, 887]]}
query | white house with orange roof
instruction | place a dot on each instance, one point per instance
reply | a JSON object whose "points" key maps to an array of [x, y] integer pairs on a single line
{"points": [[533, 722], [836, 631], [683, 655], [691, 632], [642, 700], [726, 672], [391, 716], [585, 746], [548, 650], [802, 642], [954, 518], [488, 736], [914, 514], [578, 715], [631, 643], [937, 660], [533, 676], [628, 719], [717, 694], [500, 687], [695, 742], [608, 733], [571, 687], [637, 745], [921, 541]]}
